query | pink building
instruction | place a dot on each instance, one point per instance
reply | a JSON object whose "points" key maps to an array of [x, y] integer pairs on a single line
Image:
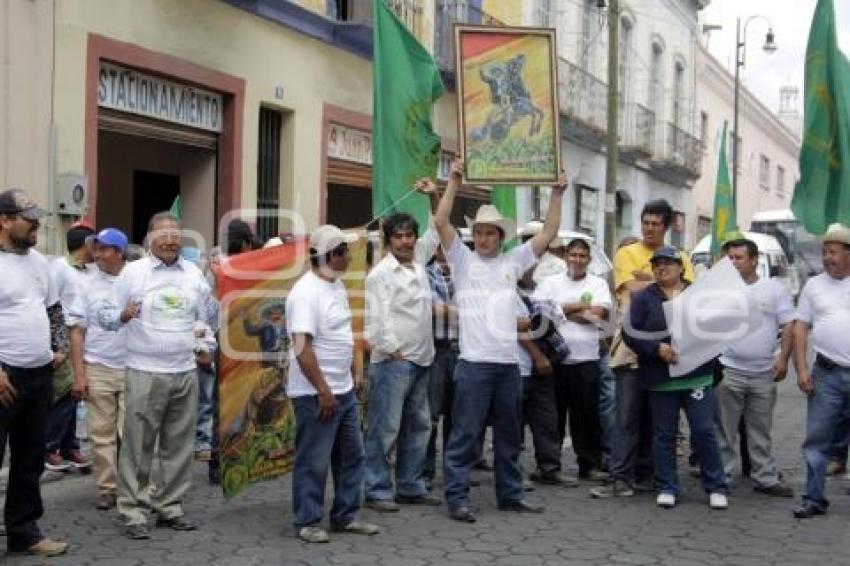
{"points": [[768, 158]]}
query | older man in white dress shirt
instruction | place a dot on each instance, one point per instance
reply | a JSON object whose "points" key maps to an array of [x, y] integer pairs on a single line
{"points": [[164, 296]]}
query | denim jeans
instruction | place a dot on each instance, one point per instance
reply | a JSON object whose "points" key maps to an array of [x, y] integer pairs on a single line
{"points": [[607, 408], [440, 399], [399, 420], [840, 440], [826, 406], [24, 423], [203, 428], [631, 456], [484, 393], [699, 407], [62, 426], [319, 445]]}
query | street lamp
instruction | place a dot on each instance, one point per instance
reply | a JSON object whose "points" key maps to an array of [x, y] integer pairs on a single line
{"points": [[740, 55]]}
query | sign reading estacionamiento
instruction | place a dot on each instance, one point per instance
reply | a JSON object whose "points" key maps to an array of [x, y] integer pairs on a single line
{"points": [[128, 90]]}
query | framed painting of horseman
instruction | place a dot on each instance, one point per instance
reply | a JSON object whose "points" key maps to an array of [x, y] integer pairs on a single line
{"points": [[508, 105]]}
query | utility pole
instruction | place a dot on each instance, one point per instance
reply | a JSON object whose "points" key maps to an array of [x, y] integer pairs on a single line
{"points": [[613, 134]]}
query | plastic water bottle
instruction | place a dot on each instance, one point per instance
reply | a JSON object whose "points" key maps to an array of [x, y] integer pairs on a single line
{"points": [[81, 430]]}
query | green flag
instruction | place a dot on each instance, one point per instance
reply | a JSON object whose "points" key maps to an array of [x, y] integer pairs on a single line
{"points": [[504, 199], [177, 207], [724, 219], [822, 195], [405, 84]]}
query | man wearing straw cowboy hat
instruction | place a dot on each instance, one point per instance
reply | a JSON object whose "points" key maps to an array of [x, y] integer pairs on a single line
{"points": [[487, 379], [824, 312]]}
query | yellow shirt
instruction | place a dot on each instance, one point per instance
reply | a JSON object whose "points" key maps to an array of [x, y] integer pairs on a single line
{"points": [[635, 257]]}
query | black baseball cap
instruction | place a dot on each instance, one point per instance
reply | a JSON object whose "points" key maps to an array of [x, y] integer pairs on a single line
{"points": [[17, 201]]}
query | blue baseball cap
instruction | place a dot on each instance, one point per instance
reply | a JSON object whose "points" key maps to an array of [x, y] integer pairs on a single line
{"points": [[667, 252], [112, 237]]}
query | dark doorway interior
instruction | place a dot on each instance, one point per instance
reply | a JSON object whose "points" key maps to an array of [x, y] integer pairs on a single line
{"points": [[152, 193]]}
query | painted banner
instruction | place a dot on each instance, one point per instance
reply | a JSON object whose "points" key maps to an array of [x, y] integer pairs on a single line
{"points": [[256, 421], [507, 105]]}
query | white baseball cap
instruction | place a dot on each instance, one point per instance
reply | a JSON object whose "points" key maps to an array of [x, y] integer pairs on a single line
{"points": [[327, 237]]}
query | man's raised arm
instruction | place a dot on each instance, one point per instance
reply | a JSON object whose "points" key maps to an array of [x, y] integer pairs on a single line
{"points": [[540, 242]]}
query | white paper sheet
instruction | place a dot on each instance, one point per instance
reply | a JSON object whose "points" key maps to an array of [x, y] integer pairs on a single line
{"points": [[707, 316]]}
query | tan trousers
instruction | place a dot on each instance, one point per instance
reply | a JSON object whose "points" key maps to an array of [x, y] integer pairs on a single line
{"points": [[105, 416], [161, 411]]}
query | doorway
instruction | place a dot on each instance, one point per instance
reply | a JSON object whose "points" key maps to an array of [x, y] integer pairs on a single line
{"points": [[152, 192]]}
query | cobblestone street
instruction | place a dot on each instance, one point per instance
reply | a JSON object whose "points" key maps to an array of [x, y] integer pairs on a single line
{"points": [[255, 528]]}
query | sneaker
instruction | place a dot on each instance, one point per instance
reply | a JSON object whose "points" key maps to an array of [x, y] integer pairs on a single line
{"points": [[313, 535], [718, 500], [776, 490], [105, 501], [77, 459], [668, 500], [613, 488], [54, 462], [47, 547], [357, 528], [382, 505]]}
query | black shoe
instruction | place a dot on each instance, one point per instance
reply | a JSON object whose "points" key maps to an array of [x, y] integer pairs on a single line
{"points": [[105, 501], [474, 482], [419, 500], [179, 523], [521, 506], [553, 478], [2, 530], [483, 464], [138, 532], [462, 514], [807, 511]]}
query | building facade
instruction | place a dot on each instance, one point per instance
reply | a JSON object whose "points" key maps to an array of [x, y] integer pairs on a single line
{"points": [[768, 160], [116, 107]]}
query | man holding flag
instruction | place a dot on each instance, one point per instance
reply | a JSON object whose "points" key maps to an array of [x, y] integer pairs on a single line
{"points": [[822, 199]]}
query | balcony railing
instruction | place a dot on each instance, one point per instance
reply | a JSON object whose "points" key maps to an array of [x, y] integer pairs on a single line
{"points": [[449, 13], [582, 97], [682, 150], [637, 128], [360, 12]]}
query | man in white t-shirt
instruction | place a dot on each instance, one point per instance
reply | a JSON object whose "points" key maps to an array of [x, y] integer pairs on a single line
{"points": [[162, 296], [62, 448], [487, 380], [322, 391], [751, 369], [26, 369], [823, 311], [98, 357], [586, 302]]}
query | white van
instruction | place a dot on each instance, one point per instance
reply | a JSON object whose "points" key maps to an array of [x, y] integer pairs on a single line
{"points": [[772, 260]]}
